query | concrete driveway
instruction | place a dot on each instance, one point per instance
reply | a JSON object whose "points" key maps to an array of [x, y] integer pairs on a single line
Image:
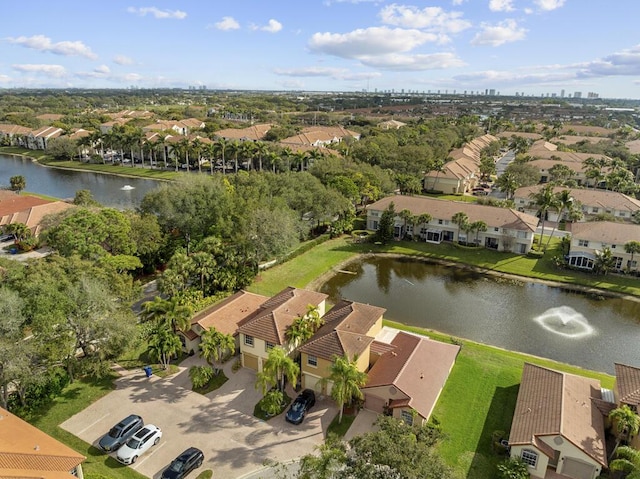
{"points": [[222, 424]]}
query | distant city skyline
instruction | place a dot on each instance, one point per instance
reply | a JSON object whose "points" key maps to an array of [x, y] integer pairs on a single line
{"points": [[531, 47]]}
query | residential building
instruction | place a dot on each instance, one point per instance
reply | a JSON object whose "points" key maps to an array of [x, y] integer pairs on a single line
{"points": [[349, 329], [391, 125], [13, 135], [627, 392], [267, 327], [507, 229], [38, 139], [224, 316], [320, 136], [28, 210], [180, 127], [592, 202], [588, 239], [27, 452], [251, 133], [407, 376], [558, 426]]}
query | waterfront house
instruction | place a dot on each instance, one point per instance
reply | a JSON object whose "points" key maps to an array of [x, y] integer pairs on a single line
{"points": [[38, 139], [589, 239], [13, 135]]}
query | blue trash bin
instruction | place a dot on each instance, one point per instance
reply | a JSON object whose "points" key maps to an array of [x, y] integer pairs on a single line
{"points": [[147, 371]]}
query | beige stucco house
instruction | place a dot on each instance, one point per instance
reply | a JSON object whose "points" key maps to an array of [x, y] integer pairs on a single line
{"points": [[349, 329], [38, 139], [557, 425], [588, 239], [507, 229], [267, 326]]}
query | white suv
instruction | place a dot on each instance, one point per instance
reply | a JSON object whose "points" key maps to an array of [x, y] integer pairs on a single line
{"points": [[139, 443]]}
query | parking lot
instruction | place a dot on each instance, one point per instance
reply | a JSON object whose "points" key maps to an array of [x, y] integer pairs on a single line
{"points": [[221, 424]]}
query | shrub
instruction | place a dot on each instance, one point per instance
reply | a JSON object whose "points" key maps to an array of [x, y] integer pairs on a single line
{"points": [[200, 376], [514, 468], [535, 254]]}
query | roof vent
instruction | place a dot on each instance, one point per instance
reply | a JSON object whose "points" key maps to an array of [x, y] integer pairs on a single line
{"points": [[393, 353], [36, 448], [421, 375]]}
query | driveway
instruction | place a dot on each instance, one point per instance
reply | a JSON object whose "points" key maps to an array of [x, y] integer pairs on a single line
{"points": [[222, 424]]}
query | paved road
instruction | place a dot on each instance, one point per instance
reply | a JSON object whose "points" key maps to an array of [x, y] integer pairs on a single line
{"points": [[221, 424]]}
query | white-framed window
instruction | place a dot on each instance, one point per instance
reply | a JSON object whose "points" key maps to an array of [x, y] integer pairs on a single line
{"points": [[248, 340], [312, 361], [622, 214], [268, 346], [522, 234], [594, 210], [529, 457], [617, 262], [440, 222], [584, 243], [407, 417], [496, 229]]}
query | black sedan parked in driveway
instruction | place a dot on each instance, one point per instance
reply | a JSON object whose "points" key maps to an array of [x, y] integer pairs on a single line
{"points": [[183, 464], [300, 406], [120, 433]]}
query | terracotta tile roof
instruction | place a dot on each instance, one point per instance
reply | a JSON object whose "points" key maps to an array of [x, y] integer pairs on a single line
{"points": [[573, 139], [589, 197], [465, 160], [379, 348], [79, 133], [628, 384], [553, 403], [337, 131], [344, 330], [521, 134], [12, 203], [50, 117], [547, 164], [33, 216], [47, 132], [418, 367], [634, 146], [226, 315], [606, 232], [271, 320], [254, 132], [28, 452], [444, 209], [14, 129]]}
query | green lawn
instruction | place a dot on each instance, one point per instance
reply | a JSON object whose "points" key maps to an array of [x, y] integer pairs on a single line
{"points": [[341, 428]]}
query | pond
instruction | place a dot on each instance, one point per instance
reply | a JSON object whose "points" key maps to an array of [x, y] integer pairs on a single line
{"points": [[528, 317], [110, 190]]}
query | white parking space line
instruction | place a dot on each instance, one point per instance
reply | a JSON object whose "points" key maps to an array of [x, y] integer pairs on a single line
{"points": [[147, 456], [91, 425]]}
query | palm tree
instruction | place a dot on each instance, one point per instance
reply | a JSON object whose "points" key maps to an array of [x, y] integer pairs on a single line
{"points": [[169, 312], [478, 226], [19, 230], [407, 217], [544, 200], [221, 147], [276, 369], [632, 247], [462, 220], [197, 147], [627, 461], [564, 202], [304, 327], [205, 266], [163, 344], [247, 150], [234, 149], [438, 167], [184, 146], [215, 345], [418, 220], [261, 151], [347, 380], [626, 422], [18, 183]]}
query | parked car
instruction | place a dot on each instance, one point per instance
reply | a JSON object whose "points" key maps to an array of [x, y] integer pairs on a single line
{"points": [[300, 406], [183, 464], [6, 237], [139, 443], [121, 432]]}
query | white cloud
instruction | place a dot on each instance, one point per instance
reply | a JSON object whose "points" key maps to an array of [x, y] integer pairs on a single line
{"points": [[103, 69], [548, 5], [5, 79], [327, 72], [495, 35], [273, 26], [132, 77], [53, 71], [419, 62], [227, 23], [44, 44], [157, 13], [432, 18], [625, 62], [501, 5], [369, 42], [457, 2], [122, 60]]}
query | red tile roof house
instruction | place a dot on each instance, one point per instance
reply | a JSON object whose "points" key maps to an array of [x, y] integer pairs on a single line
{"points": [[267, 327], [558, 426], [251, 133], [349, 328], [507, 229], [587, 239], [28, 210], [38, 139], [407, 378], [14, 135], [224, 317], [627, 391], [26, 452]]}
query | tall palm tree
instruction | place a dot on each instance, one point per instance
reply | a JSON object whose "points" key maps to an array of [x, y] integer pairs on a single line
{"points": [[197, 147], [419, 220], [347, 380], [234, 148], [177, 316], [247, 150], [407, 217], [214, 345], [627, 461], [276, 369], [185, 146], [261, 151], [221, 147], [478, 226], [564, 202], [462, 220], [545, 200], [626, 422], [205, 266], [631, 247], [163, 344]]}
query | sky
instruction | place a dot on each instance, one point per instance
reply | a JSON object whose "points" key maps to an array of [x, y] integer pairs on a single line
{"points": [[531, 47]]}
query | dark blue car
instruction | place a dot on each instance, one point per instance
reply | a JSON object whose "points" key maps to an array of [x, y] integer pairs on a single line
{"points": [[300, 406], [183, 464]]}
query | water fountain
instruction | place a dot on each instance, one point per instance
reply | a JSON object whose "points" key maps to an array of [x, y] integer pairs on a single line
{"points": [[128, 187], [566, 322]]}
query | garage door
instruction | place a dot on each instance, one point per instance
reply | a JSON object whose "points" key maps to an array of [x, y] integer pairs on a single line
{"points": [[250, 361], [374, 403], [312, 382], [577, 469]]}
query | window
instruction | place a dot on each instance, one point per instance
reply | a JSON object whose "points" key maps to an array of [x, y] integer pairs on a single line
{"points": [[617, 262], [584, 243], [375, 225], [529, 457], [622, 214], [440, 222], [522, 234], [248, 340], [268, 346], [594, 210], [496, 229], [312, 361], [407, 417]]}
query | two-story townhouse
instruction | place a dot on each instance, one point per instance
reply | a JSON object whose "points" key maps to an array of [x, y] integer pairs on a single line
{"points": [[13, 135], [267, 327], [587, 239], [38, 139], [251, 133], [349, 329], [507, 229], [224, 316], [592, 202], [626, 391]]}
